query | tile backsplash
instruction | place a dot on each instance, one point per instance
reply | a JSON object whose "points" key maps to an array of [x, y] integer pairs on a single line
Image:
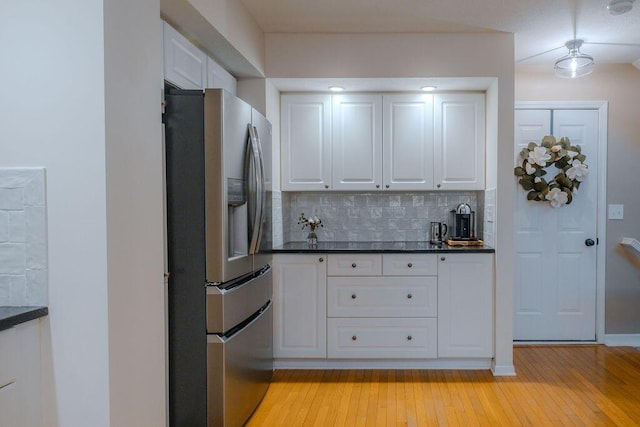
{"points": [[23, 237], [375, 216]]}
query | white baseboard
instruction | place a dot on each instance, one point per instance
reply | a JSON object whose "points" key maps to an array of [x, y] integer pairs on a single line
{"points": [[503, 370], [620, 340], [382, 364]]}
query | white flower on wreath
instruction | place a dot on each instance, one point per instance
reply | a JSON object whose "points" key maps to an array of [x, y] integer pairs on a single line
{"points": [[529, 169], [539, 156], [577, 171], [557, 197]]}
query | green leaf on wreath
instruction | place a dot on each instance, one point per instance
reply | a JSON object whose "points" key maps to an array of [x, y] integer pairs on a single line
{"points": [[565, 143], [540, 172], [569, 196], [519, 171], [548, 141], [561, 163], [540, 186], [531, 146], [526, 184], [581, 158]]}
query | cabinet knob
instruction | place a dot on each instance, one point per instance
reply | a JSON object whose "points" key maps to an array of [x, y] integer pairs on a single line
{"points": [[354, 265], [409, 296], [387, 186], [353, 338], [377, 185], [326, 186], [321, 259], [410, 265], [438, 185], [353, 296], [409, 338], [442, 258]]}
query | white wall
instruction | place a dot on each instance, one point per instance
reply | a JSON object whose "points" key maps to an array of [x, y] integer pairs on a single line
{"points": [[133, 61], [95, 128], [52, 115]]}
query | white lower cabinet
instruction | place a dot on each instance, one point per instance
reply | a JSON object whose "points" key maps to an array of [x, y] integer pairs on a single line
{"points": [[382, 338], [465, 305], [20, 383], [389, 315], [373, 307], [300, 306]]}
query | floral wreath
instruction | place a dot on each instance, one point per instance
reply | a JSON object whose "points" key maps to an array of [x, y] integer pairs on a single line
{"points": [[567, 158]]}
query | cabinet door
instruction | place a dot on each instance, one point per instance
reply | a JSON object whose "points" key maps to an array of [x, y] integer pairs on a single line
{"points": [[184, 64], [218, 77], [357, 142], [306, 139], [465, 305], [459, 138], [408, 142], [300, 306]]}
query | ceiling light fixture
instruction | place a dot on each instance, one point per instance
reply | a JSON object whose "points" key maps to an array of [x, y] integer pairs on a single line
{"points": [[575, 63], [619, 7], [336, 88], [428, 88]]}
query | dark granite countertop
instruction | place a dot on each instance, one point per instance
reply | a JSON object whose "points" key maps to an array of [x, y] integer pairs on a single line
{"points": [[378, 247], [11, 316]]}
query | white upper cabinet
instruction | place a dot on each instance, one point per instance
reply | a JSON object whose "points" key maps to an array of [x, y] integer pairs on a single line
{"points": [[368, 142], [459, 121], [184, 64], [408, 142], [218, 77], [188, 67], [306, 138], [356, 142]]}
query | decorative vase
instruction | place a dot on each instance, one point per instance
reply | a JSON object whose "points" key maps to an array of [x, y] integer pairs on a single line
{"points": [[312, 239]]}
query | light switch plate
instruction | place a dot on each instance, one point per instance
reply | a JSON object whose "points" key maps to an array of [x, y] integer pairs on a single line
{"points": [[616, 212]]}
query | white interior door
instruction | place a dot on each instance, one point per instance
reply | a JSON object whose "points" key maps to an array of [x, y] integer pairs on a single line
{"points": [[555, 289]]}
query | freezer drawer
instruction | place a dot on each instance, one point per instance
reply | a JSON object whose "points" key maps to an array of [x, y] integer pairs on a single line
{"points": [[228, 307], [239, 370]]}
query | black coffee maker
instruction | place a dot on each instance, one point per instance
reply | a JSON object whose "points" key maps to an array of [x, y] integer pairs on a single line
{"points": [[462, 223]]}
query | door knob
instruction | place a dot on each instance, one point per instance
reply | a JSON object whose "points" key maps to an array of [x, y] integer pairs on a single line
{"points": [[589, 242]]}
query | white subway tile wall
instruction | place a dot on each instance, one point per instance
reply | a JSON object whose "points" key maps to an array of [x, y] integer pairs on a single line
{"points": [[373, 217], [23, 237]]}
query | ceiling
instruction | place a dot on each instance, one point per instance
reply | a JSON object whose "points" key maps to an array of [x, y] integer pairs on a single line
{"points": [[540, 27]]}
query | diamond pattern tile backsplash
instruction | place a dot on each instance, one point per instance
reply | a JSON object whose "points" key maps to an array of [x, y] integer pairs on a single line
{"points": [[373, 217]]}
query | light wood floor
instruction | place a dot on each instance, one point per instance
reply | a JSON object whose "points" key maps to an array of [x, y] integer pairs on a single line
{"points": [[555, 385]]}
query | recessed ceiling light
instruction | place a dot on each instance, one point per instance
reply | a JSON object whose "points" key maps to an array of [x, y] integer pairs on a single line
{"points": [[619, 7], [336, 88], [428, 88]]}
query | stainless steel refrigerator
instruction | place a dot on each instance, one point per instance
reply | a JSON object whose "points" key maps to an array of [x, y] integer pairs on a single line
{"points": [[219, 292]]}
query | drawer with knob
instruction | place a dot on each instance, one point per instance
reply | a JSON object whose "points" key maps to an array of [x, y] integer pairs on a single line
{"points": [[410, 265], [354, 265], [382, 296], [378, 338]]}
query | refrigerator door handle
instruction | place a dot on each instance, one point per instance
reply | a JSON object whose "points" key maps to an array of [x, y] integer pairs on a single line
{"points": [[263, 189], [252, 165]]}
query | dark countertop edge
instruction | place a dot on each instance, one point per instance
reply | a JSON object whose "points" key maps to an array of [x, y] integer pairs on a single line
{"points": [[295, 248], [11, 316]]}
